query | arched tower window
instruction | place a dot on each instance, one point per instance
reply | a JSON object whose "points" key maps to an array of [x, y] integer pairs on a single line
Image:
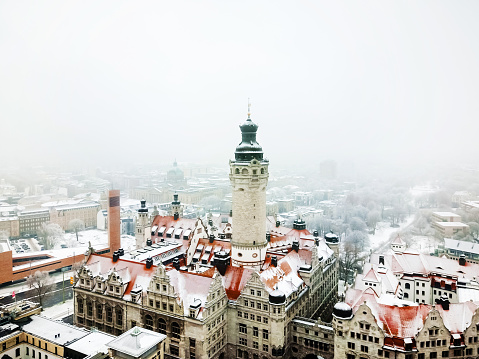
{"points": [[237, 171], [244, 171], [175, 330], [262, 171]]}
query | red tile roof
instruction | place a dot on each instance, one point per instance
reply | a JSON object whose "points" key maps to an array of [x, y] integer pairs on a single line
{"points": [[137, 272]]}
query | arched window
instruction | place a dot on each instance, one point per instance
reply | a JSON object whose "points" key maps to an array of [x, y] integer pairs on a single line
{"points": [[262, 171], [407, 286], [99, 311], [119, 316], [89, 309], [237, 171], [244, 171], [80, 305], [148, 322], [406, 295], [109, 314], [175, 330], [162, 326]]}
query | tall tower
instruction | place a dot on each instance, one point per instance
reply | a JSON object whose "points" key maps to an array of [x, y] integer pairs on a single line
{"points": [[114, 240], [249, 178], [142, 233]]}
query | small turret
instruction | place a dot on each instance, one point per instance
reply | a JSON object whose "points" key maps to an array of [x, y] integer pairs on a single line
{"points": [[299, 224]]}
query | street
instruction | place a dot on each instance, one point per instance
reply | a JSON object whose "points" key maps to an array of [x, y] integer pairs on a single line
{"points": [[50, 299]]}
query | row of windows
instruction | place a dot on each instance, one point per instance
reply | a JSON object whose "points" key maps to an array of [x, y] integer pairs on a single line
{"points": [[244, 329], [162, 305], [252, 317], [365, 337], [258, 305]]}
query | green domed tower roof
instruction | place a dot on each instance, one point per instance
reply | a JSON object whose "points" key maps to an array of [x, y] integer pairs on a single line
{"points": [[248, 148]]}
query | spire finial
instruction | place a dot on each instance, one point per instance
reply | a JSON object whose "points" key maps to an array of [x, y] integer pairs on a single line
{"points": [[249, 110]]}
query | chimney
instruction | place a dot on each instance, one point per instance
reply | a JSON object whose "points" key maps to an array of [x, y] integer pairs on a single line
{"points": [[444, 301], [221, 261], [462, 260], [316, 241], [149, 262], [176, 263], [115, 256], [149, 242], [212, 238], [295, 246], [268, 236], [114, 223], [176, 216], [274, 261], [315, 233], [231, 213], [381, 260], [278, 223], [121, 252]]}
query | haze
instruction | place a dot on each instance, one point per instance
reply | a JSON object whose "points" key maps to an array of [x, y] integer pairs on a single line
{"points": [[117, 82]]}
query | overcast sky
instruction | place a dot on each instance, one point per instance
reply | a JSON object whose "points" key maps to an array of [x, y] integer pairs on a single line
{"points": [[138, 82]]}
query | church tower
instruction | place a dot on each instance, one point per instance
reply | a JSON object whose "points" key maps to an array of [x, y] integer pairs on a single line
{"points": [[249, 178], [142, 233]]}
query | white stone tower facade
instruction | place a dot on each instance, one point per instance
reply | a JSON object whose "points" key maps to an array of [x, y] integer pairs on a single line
{"points": [[249, 178], [142, 233]]}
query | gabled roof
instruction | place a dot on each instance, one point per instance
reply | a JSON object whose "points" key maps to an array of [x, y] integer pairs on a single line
{"points": [[135, 273], [371, 276]]}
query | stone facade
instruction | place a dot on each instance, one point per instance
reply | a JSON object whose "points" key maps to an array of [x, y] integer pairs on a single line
{"points": [[248, 182]]}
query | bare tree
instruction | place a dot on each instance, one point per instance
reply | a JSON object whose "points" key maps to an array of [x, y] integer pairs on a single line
{"points": [[50, 234], [474, 230], [349, 260], [76, 225], [42, 284], [373, 218]]}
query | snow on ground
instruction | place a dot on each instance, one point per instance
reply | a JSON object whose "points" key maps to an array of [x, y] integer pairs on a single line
{"points": [[384, 231], [59, 311], [423, 244], [97, 237]]}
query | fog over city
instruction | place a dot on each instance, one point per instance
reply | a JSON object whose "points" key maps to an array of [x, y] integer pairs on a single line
{"points": [[122, 83]]}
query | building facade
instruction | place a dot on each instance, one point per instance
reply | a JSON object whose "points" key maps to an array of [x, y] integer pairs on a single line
{"points": [[220, 289]]}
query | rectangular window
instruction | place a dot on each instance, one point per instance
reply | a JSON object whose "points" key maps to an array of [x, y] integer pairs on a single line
{"points": [[265, 348], [243, 341], [17, 352], [243, 329], [265, 334], [255, 331], [255, 345], [364, 348]]}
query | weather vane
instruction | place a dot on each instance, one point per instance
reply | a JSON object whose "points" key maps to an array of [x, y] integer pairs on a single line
{"points": [[249, 108]]}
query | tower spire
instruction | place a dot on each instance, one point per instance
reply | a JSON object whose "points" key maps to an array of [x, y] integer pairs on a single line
{"points": [[249, 109]]}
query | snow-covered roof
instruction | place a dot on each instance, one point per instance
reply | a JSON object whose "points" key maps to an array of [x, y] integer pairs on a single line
{"points": [[92, 343], [53, 331], [136, 341]]}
